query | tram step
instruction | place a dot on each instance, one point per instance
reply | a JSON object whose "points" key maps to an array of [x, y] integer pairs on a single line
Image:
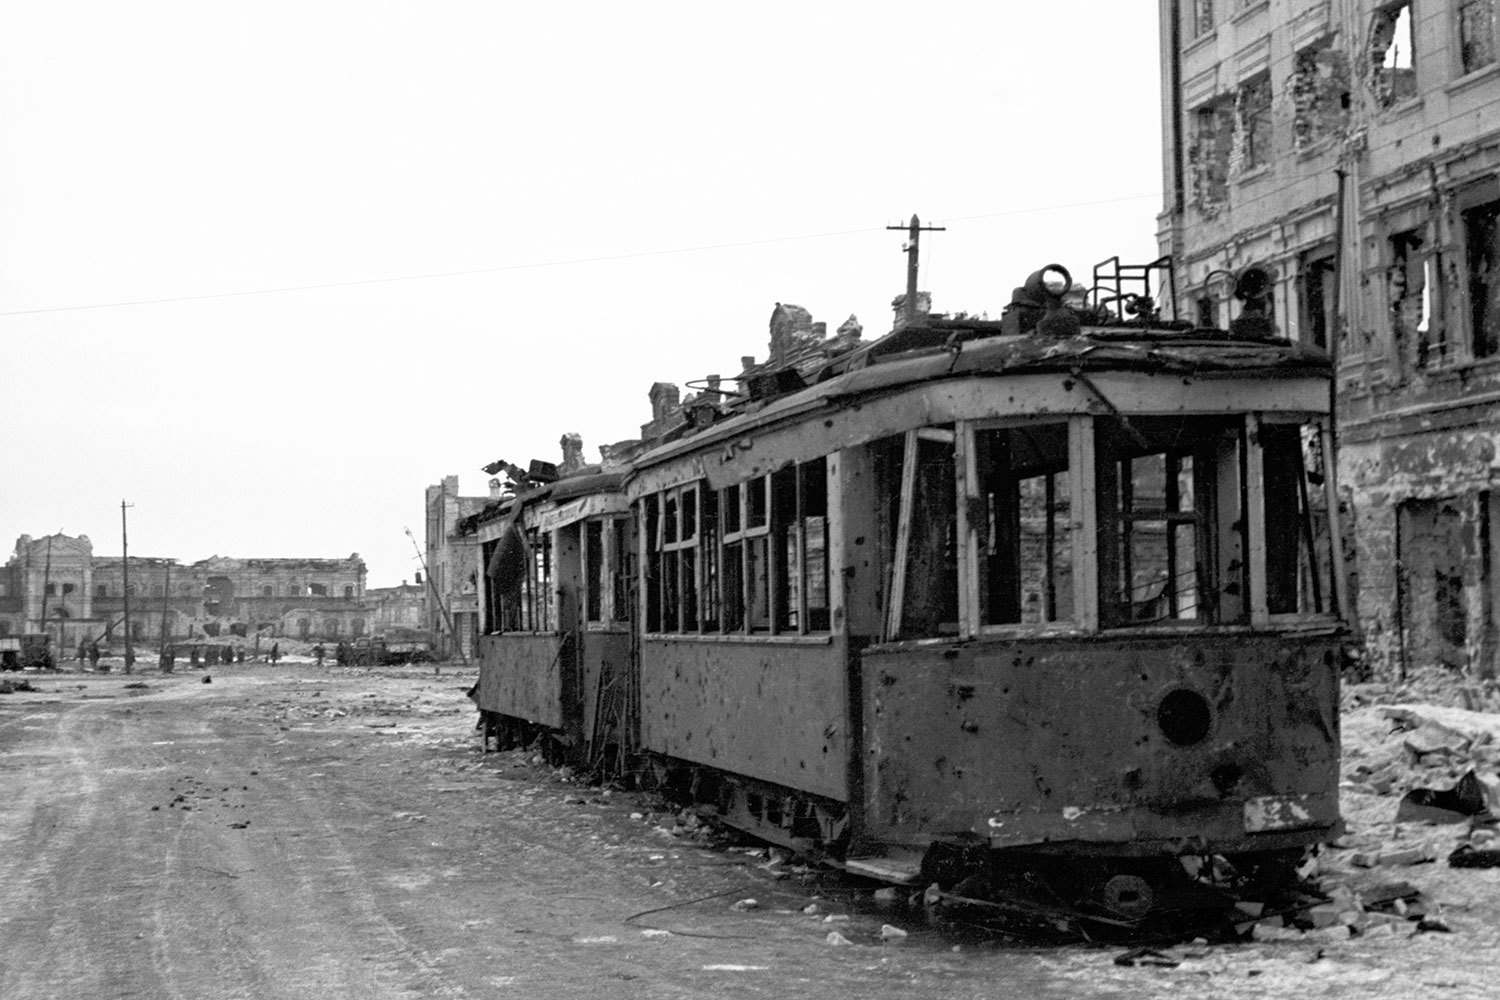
{"points": [[901, 869]]}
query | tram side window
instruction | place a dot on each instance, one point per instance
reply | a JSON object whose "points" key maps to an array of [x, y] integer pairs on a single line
{"points": [[534, 604], [622, 568], [1023, 525], [749, 558], [923, 598], [1298, 553], [593, 562], [1170, 495]]}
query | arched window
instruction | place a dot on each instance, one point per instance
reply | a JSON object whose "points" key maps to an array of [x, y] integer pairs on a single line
{"points": [[348, 591], [265, 591], [357, 626]]}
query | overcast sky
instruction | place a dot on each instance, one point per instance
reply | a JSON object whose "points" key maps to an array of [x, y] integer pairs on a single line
{"points": [[513, 218]]}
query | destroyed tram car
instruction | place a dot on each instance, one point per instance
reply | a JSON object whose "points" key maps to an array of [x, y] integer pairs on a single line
{"points": [[1051, 600]]}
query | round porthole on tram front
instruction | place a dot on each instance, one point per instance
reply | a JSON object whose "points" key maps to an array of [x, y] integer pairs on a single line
{"points": [[1184, 717]]}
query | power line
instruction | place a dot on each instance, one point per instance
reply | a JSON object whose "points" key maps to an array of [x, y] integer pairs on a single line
{"points": [[530, 265]]}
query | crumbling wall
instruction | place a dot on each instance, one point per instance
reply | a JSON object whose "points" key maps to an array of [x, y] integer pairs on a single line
{"points": [[1392, 65], [1319, 93]]}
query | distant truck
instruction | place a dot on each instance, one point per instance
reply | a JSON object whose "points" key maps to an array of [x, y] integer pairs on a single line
{"points": [[33, 649]]}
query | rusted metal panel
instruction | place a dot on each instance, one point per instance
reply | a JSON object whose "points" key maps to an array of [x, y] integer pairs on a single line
{"points": [[765, 709], [520, 674], [1105, 739]]}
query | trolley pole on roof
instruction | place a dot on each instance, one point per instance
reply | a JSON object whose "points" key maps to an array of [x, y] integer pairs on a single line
{"points": [[914, 231], [458, 643]]}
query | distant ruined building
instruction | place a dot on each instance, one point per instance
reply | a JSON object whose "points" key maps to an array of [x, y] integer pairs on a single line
{"points": [[56, 584]]}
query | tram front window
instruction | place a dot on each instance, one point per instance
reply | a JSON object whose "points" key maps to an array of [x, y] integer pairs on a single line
{"points": [[1171, 495], [1299, 559]]}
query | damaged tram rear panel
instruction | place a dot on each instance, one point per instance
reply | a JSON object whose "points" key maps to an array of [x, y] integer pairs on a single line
{"points": [[1055, 587]]}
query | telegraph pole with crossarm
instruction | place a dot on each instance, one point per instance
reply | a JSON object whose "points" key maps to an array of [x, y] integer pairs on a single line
{"points": [[914, 231]]}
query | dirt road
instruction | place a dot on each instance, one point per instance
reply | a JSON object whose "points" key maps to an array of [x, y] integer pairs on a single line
{"points": [[294, 832]]}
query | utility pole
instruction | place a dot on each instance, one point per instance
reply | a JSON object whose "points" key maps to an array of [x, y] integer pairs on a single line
{"points": [[914, 231], [166, 603], [125, 579], [46, 582]]}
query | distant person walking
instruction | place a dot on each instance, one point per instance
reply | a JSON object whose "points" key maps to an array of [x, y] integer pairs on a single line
{"points": [[93, 655], [83, 650], [317, 652], [275, 652]]}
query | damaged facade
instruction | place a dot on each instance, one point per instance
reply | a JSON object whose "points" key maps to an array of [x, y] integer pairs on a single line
{"points": [[452, 567], [56, 584], [1264, 105]]}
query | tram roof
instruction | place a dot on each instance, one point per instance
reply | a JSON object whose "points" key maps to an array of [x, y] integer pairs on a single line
{"points": [[940, 349]]}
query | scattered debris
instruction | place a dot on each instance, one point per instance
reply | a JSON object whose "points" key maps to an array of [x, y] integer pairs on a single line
{"points": [[8, 686], [891, 933], [1147, 956], [836, 939], [207, 679], [745, 904], [1471, 795]]}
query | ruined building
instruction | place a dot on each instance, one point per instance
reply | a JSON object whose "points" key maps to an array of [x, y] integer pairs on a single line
{"points": [[56, 584], [452, 607], [1353, 148]]}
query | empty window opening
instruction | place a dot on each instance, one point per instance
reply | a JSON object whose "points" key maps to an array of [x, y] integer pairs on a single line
{"points": [[1409, 290], [265, 591], [1251, 143], [68, 588], [101, 591], [1317, 295], [1476, 34], [1023, 525], [317, 589], [1393, 73], [51, 590], [1200, 17], [1207, 311], [1482, 246]]}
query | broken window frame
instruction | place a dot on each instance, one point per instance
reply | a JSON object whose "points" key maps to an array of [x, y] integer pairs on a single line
{"points": [[937, 569], [994, 554], [1209, 591], [1476, 37]]}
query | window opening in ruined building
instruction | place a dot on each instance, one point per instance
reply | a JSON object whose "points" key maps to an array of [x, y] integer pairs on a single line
{"points": [[317, 589], [357, 626], [348, 592], [1170, 497], [1320, 95], [1393, 73], [1200, 17], [1408, 290], [1436, 540], [1476, 34], [1251, 144], [1299, 559], [157, 590], [1482, 245], [101, 591], [1207, 309], [51, 590], [265, 591], [1213, 132], [1022, 525], [1316, 293], [68, 588], [922, 601]]}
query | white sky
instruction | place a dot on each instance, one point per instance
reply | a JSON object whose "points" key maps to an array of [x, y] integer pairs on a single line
{"points": [[629, 187]]}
